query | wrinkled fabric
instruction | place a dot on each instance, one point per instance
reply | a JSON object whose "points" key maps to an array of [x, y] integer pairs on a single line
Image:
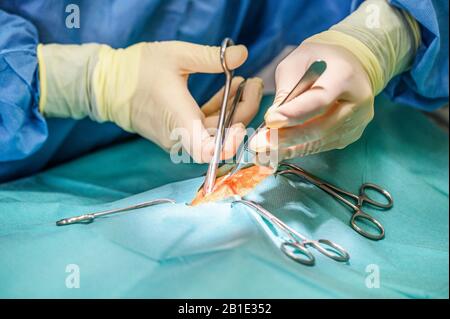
{"points": [[219, 251], [28, 142]]}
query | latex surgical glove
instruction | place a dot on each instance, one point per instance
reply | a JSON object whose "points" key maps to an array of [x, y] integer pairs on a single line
{"points": [[143, 89], [362, 55]]}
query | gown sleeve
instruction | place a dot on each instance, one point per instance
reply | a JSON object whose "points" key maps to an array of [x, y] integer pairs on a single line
{"points": [[22, 128], [425, 84]]}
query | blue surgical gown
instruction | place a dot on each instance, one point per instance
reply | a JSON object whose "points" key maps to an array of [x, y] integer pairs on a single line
{"points": [[29, 142]]}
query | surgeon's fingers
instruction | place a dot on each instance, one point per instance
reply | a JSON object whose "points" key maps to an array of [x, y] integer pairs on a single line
{"points": [[235, 136], [312, 103], [265, 146], [193, 58], [350, 130], [336, 140], [288, 73], [245, 111], [200, 141], [273, 157], [189, 118], [316, 129], [212, 106], [306, 149], [247, 108], [346, 137]]}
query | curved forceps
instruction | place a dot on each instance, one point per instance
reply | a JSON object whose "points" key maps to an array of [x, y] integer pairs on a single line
{"points": [[296, 247], [356, 203], [225, 118]]}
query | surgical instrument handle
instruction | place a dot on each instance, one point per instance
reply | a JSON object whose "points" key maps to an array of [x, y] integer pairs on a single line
{"points": [[299, 242], [311, 75], [305, 257], [213, 165], [87, 218], [231, 111], [340, 194], [337, 192]]}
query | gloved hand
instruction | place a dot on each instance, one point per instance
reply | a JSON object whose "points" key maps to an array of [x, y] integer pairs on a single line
{"points": [[332, 114], [143, 89], [335, 111]]}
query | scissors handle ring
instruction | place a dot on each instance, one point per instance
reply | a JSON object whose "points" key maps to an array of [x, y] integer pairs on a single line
{"points": [[330, 249], [298, 252], [364, 197], [360, 215]]}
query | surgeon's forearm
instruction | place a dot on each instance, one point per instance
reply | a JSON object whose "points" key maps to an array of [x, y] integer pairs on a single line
{"points": [[88, 80], [65, 73], [385, 39]]}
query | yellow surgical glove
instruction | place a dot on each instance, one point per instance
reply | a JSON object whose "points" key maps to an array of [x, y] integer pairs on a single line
{"points": [[363, 52], [143, 89]]}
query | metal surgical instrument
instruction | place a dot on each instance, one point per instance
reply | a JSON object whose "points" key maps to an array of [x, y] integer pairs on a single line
{"points": [[306, 82], [88, 218], [225, 119], [354, 201], [296, 246]]}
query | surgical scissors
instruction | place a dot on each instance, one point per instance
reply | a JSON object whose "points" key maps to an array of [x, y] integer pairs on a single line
{"points": [[296, 246], [225, 119], [354, 201], [88, 218]]}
